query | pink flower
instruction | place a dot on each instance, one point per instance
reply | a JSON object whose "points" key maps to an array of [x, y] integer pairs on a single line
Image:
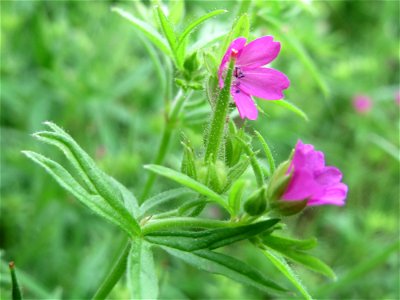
{"points": [[249, 78], [397, 98], [362, 104], [313, 180]]}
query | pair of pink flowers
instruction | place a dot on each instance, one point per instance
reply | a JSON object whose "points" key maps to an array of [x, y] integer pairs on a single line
{"points": [[311, 179]]}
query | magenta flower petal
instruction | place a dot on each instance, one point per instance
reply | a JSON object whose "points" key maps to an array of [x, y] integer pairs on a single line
{"points": [[236, 44], [305, 157], [301, 186], [313, 180], [248, 78], [244, 103], [264, 83], [328, 176], [334, 195], [258, 53]]}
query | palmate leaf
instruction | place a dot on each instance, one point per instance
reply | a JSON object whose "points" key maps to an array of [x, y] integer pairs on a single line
{"points": [[190, 183], [225, 265], [94, 188], [94, 202], [208, 239], [142, 277], [286, 270]]}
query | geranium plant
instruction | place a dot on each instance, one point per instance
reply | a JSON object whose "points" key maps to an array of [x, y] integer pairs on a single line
{"points": [[175, 220]]}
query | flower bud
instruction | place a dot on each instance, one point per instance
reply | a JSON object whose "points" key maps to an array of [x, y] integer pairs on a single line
{"points": [[257, 203]]}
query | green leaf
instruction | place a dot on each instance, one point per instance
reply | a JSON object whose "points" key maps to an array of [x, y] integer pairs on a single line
{"points": [[278, 242], [147, 30], [176, 11], [188, 182], [290, 106], [94, 202], [142, 277], [254, 162], [167, 28], [15, 289], [196, 23], [240, 28], [130, 201], [235, 172], [267, 151], [150, 205], [280, 263], [225, 265], [291, 40], [235, 196], [210, 239], [303, 258]]}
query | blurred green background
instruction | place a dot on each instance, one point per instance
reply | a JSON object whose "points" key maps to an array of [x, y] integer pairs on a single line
{"points": [[88, 70]]}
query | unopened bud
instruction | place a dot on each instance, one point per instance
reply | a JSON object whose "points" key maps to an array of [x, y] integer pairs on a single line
{"points": [[257, 203]]}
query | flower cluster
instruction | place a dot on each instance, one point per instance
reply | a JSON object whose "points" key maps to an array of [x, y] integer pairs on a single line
{"points": [[310, 180]]}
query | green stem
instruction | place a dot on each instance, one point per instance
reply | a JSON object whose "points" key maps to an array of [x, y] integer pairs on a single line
{"points": [[115, 274], [217, 126], [162, 151], [183, 222], [171, 119], [16, 291]]}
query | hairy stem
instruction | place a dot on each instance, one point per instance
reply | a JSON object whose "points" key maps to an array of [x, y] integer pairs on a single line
{"points": [[218, 121]]}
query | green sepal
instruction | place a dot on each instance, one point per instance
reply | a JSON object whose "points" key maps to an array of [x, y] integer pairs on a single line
{"points": [[289, 208], [188, 165], [279, 182]]}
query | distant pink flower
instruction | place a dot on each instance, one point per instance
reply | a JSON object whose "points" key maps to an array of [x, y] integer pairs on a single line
{"points": [[362, 104], [397, 98], [313, 180], [248, 76]]}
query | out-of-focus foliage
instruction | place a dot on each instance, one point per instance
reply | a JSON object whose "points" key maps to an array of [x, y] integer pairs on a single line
{"points": [[84, 67]]}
